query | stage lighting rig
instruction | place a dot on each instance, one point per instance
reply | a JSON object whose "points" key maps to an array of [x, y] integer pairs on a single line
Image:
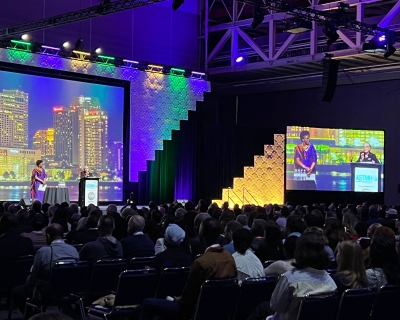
{"points": [[258, 17]]}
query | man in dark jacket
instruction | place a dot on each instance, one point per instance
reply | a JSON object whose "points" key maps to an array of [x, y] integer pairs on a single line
{"points": [[137, 244], [106, 246]]}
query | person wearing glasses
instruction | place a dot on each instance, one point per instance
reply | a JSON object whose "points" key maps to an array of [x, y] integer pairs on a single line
{"points": [[366, 155]]}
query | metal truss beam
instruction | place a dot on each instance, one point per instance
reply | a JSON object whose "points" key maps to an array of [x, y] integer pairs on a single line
{"points": [[75, 16], [309, 14]]}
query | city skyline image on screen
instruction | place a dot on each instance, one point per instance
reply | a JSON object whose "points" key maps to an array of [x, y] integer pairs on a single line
{"points": [[68, 124], [330, 159]]}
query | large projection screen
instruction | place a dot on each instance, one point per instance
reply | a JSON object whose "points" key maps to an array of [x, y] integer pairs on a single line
{"points": [[328, 159], [66, 123]]}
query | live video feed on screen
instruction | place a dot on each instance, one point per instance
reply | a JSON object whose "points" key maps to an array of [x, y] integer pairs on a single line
{"points": [[67, 124], [334, 159]]}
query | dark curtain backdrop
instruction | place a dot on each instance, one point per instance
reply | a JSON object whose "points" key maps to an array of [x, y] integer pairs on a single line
{"points": [[201, 158]]}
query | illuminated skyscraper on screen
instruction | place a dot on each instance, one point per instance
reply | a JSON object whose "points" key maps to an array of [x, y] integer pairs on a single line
{"points": [[43, 140], [81, 133], [14, 119], [62, 134]]}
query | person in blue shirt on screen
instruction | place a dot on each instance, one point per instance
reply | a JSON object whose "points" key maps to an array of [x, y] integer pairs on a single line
{"points": [[305, 155], [366, 155]]}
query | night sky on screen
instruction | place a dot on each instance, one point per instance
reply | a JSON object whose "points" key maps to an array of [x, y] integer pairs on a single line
{"points": [[45, 93]]}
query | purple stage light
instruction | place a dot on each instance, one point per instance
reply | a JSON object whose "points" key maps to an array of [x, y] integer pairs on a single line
{"points": [[239, 59], [382, 38]]}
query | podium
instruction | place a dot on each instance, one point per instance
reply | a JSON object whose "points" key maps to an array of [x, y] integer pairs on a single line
{"points": [[366, 177], [88, 191]]}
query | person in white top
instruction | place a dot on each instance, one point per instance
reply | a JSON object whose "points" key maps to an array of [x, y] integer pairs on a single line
{"points": [[247, 263]]}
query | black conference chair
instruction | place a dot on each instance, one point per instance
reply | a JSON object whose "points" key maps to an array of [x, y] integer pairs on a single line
{"points": [[66, 279], [103, 280], [356, 304], [133, 287], [217, 299], [252, 292], [141, 262], [319, 306], [385, 306], [172, 281]]}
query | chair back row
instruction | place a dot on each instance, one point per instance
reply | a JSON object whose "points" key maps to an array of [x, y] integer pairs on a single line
{"points": [[360, 304]]}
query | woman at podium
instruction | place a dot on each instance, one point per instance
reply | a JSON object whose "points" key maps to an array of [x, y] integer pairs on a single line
{"points": [[85, 173], [366, 155]]}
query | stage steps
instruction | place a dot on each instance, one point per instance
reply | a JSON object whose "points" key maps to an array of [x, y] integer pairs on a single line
{"points": [[262, 183]]}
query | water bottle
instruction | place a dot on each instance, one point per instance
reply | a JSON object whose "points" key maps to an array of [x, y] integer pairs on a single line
{"points": [[295, 174], [303, 174]]}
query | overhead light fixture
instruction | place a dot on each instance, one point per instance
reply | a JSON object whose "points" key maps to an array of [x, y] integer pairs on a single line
{"points": [[98, 50], [26, 37], [239, 59], [330, 33], [298, 26], [51, 51], [177, 71], [105, 59], [376, 44], [21, 45], [130, 63], [67, 44], [79, 45], [198, 75], [155, 68], [176, 4], [258, 17]]}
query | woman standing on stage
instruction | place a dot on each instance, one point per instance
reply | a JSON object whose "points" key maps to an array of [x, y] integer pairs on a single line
{"points": [[38, 178]]}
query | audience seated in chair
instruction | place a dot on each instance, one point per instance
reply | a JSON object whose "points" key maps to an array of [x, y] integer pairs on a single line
{"points": [[351, 271], [230, 228], [137, 244], [308, 277], [12, 245], [215, 263], [174, 255], [106, 246], [384, 264], [46, 256], [281, 266], [247, 263]]}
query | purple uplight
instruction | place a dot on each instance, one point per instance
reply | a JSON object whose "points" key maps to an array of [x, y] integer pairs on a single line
{"points": [[382, 38], [239, 59]]}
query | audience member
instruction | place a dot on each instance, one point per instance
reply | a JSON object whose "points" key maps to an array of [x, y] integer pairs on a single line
{"points": [[272, 248], [308, 277], [12, 245], [230, 228], [258, 231], [137, 244], [174, 255], [215, 263], [247, 263], [350, 271], [55, 251], [36, 235], [90, 232], [106, 246], [281, 266], [242, 219]]}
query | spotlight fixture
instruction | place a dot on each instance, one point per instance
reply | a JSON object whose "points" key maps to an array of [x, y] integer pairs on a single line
{"points": [[376, 44], [79, 45], [98, 50], [176, 4], [130, 63], [177, 71], [198, 75], [105, 59], [67, 44], [26, 37], [258, 17], [298, 26], [50, 51], [330, 33], [239, 59]]}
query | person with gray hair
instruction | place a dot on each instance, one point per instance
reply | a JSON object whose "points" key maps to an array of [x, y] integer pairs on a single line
{"points": [[121, 224], [242, 219], [137, 244]]}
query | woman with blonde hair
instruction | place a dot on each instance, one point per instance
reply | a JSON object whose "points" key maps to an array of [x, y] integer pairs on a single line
{"points": [[351, 270]]}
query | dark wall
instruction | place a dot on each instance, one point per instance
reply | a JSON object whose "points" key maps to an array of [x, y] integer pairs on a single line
{"points": [[360, 106]]}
